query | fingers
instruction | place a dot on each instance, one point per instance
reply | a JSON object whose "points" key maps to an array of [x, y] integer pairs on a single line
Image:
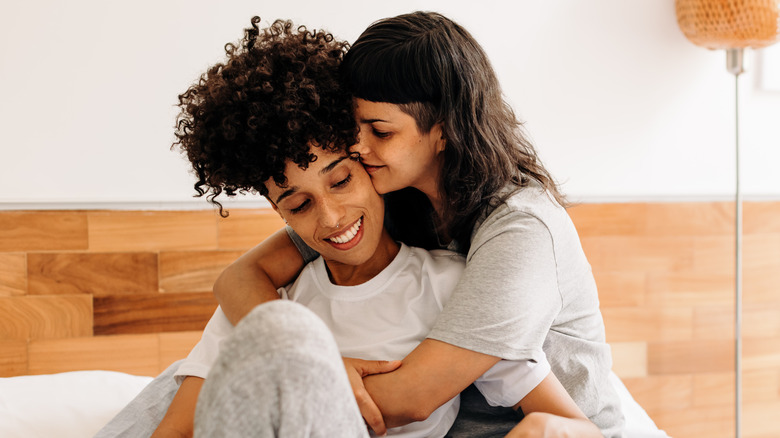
{"points": [[370, 411], [368, 367]]}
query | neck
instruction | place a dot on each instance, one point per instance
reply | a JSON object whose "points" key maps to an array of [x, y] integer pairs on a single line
{"points": [[352, 275]]}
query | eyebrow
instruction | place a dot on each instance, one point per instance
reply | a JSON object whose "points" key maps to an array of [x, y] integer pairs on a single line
{"points": [[373, 120], [325, 170]]}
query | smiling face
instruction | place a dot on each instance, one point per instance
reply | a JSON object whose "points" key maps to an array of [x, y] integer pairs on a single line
{"points": [[333, 207], [394, 151]]}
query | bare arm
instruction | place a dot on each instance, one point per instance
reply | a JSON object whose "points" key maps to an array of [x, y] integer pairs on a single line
{"points": [[179, 420], [255, 276], [551, 412], [429, 376]]}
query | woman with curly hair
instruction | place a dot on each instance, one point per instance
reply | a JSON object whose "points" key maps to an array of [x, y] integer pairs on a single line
{"points": [[437, 135]]}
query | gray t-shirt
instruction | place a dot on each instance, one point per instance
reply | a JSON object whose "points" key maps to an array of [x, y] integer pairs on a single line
{"points": [[528, 289]]}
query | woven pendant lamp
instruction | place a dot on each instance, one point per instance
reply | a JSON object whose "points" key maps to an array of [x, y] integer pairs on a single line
{"points": [[733, 25]]}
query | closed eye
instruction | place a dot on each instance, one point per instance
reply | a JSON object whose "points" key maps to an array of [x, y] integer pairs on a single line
{"points": [[380, 134], [343, 182], [300, 208]]}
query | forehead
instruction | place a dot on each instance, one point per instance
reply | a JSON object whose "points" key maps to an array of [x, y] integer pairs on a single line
{"points": [[325, 162]]}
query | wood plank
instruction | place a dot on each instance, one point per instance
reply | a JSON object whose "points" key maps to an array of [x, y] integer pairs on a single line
{"points": [[761, 217], [642, 254], [193, 271], [13, 274], [689, 288], [761, 385], [133, 354], [714, 322], [126, 314], [760, 419], [118, 231], [621, 289], [46, 316], [688, 219], [98, 274], [13, 358], [175, 346], [629, 359], [713, 389], [760, 320], [690, 357], [648, 324], [42, 231], [670, 392], [609, 219], [707, 421], [760, 354], [244, 229]]}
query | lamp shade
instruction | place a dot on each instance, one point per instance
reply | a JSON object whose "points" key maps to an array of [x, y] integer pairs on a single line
{"points": [[729, 24]]}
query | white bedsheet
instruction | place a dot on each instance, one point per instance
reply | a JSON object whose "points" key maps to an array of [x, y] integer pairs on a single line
{"points": [[77, 404]]}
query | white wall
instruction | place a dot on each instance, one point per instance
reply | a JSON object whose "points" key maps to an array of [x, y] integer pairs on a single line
{"points": [[620, 105]]}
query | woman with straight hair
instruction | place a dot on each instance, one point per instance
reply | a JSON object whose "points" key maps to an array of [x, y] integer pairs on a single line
{"points": [[440, 141]]}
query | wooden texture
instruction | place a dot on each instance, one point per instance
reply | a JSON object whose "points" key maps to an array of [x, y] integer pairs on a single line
{"points": [[193, 271], [130, 291], [13, 274], [99, 274], [42, 231], [153, 314]]}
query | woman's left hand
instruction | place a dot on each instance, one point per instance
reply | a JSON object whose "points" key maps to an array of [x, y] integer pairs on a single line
{"points": [[356, 370]]}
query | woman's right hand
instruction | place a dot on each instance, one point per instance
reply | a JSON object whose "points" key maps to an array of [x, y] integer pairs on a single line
{"points": [[356, 370], [255, 276]]}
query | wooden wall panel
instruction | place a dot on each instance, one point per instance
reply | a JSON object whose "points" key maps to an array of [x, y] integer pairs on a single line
{"points": [[118, 314], [13, 274], [98, 274], [42, 231], [152, 231], [44, 317], [193, 271], [13, 358], [133, 354], [246, 228], [664, 270]]}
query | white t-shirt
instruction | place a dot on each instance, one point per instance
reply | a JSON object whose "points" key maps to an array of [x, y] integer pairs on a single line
{"points": [[385, 318]]}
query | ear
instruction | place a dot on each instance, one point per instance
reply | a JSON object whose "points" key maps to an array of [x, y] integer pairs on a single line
{"points": [[437, 131]]}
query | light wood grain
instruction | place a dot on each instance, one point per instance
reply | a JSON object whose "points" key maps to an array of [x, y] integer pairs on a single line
{"points": [[13, 358], [152, 231], [126, 314], [42, 231], [133, 354], [690, 357], [709, 421], [648, 324], [39, 317], [610, 219], [629, 359], [670, 392], [193, 271], [13, 274], [621, 289], [244, 229], [98, 274]]}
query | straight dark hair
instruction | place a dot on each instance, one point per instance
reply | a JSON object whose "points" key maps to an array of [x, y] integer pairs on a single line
{"points": [[437, 72]]}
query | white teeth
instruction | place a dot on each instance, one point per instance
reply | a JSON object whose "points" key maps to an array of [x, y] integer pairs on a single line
{"points": [[349, 234]]}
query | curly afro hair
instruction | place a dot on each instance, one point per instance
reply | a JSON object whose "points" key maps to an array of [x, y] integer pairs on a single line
{"points": [[277, 94]]}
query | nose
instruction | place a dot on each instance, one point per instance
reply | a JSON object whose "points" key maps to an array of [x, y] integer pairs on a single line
{"points": [[332, 212], [361, 146]]}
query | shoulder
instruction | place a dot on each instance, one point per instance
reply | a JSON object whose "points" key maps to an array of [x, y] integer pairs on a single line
{"points": [[438, 258]]}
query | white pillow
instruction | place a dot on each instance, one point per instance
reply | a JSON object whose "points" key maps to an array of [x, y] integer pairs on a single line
{"points": [[66, 405]]}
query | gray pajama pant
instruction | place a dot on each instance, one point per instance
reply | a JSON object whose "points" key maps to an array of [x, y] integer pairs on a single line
{"points": [[279, 374]]}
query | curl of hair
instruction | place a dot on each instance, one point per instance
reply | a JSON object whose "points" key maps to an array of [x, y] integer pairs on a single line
{"points": [[278, 93], [437, 72]]}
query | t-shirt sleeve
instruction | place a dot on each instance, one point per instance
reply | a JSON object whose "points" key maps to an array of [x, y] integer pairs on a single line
{"points": [[307, 253], [509, 381], [508, 296], [202, 357]]}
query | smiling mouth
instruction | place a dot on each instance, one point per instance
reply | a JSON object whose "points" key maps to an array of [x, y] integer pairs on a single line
{"points": [[348, 235]]}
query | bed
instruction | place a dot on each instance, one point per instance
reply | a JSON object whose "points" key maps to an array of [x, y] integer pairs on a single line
{"points": [[77, 404]]}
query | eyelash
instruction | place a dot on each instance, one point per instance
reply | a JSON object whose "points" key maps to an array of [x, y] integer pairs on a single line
{"points": [[305, 203], [381, 134]]}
